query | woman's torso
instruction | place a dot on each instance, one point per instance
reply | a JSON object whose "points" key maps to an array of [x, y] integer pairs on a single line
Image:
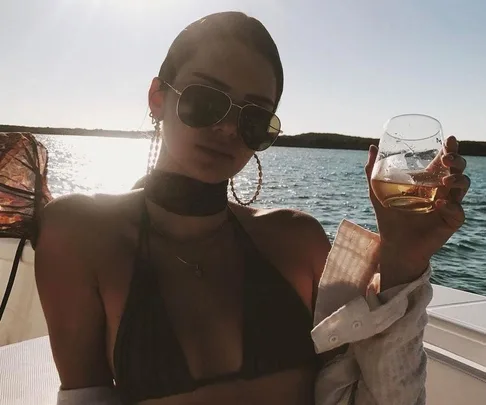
{"points": [[205, 314]]}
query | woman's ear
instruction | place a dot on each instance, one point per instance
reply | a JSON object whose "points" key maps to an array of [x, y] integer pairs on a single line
{"points": [[156, 99]]}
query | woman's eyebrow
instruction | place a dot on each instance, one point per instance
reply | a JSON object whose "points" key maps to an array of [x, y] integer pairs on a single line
{"points": [[216, 82], [259, 100], [252, 98]]}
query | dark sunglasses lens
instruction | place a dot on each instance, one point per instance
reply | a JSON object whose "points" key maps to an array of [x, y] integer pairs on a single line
{"points": [[258, 127], [201, 106]]}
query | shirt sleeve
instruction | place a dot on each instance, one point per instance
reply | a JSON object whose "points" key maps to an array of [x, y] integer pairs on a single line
{"points": [[385, 361]]}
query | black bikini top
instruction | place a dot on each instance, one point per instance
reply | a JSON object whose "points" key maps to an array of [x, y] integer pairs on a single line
{"points": [[148, 359]]}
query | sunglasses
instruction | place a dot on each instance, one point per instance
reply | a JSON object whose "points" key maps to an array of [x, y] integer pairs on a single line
{"points": [[201, 106]]}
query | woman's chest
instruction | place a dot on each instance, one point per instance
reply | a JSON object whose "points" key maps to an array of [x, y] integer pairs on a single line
{"points": [[291, 387], [200, 316]]}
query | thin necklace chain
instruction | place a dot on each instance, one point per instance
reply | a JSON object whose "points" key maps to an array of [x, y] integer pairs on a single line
{"points": [[196, 268]]}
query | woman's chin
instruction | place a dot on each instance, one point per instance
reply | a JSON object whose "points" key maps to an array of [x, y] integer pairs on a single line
{"points": [[210, 176], [202, 166]]}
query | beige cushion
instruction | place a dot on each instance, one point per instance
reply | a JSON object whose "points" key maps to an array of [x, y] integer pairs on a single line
{"points": [[23, 318]]}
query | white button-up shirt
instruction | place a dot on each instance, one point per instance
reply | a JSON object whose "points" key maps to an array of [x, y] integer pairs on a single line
{"points": [[385, 363]]}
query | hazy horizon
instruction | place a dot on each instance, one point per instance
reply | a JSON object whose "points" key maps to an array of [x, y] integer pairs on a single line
{"points": [[349, 65]]}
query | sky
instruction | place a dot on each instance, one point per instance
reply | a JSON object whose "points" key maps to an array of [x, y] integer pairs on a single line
{"points": [[349, 64]]}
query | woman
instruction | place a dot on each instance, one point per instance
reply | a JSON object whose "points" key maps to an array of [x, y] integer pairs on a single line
{"points": [[174, 294]]}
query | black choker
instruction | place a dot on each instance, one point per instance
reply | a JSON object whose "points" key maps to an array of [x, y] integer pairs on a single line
{"points": [[182, 195]]}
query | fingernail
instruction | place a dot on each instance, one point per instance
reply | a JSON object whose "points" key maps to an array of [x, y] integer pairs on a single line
{"points": [[450, 180]]}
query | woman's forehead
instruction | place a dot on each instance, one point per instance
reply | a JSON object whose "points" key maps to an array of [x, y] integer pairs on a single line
{"points": [[233, 67]]}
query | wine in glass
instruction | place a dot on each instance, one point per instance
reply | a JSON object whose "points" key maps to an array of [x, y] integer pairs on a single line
{"points": [[408, 171]]}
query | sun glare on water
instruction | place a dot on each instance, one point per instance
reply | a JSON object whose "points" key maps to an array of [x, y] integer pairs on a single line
{"points": [[101, 164]]}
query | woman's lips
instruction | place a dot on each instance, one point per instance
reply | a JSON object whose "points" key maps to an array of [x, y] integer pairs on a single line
{"points": [[215, 152]]}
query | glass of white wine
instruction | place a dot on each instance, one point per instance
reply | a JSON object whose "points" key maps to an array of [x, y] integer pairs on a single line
{"points": [[408, 171]]}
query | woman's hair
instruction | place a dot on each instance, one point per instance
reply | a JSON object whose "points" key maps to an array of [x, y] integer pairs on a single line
{"points": [[231, 24]]}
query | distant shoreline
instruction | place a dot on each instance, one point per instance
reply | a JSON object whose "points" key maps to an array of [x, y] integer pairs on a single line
{"points": [[307, 140], [75, 131]]}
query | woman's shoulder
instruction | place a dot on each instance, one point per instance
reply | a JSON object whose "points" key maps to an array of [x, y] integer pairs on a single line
{"points": [[88, 218], [278, 219], [291, 230], [82, 207]]}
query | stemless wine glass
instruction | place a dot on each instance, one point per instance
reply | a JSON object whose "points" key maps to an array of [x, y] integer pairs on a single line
{"points": [[408, 170]]}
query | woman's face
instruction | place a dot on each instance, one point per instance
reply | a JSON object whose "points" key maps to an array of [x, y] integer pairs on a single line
{"points": [[216, 153]]}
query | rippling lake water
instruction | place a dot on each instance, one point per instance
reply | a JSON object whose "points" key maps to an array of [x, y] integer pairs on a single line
{"points": [[329, 184]]}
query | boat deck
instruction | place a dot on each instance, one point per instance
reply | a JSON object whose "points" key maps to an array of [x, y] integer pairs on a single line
{"points": [[455, 342]]}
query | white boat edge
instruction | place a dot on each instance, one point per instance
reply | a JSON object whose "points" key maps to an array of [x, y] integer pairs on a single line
{"points": [[455, 341]]}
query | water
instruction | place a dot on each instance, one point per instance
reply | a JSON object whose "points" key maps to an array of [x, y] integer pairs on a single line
{"points": [[329, 184]]}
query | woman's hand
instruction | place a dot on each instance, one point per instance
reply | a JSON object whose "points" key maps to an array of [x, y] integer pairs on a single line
{"points": [[408, 240]]}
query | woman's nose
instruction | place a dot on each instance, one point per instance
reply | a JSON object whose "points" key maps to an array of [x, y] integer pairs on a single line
{"points": [[229, 124]]}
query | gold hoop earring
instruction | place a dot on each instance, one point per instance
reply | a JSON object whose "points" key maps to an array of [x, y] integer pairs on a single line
{"points": [[154, 145], [258, 189]]}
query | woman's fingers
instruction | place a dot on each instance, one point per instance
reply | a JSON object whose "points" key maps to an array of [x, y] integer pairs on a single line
{"points": [[458, 184], [372, 155], [451, 157], [451, 213], [448, 157], [451, 145], [455, 162], [457, 181]]}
